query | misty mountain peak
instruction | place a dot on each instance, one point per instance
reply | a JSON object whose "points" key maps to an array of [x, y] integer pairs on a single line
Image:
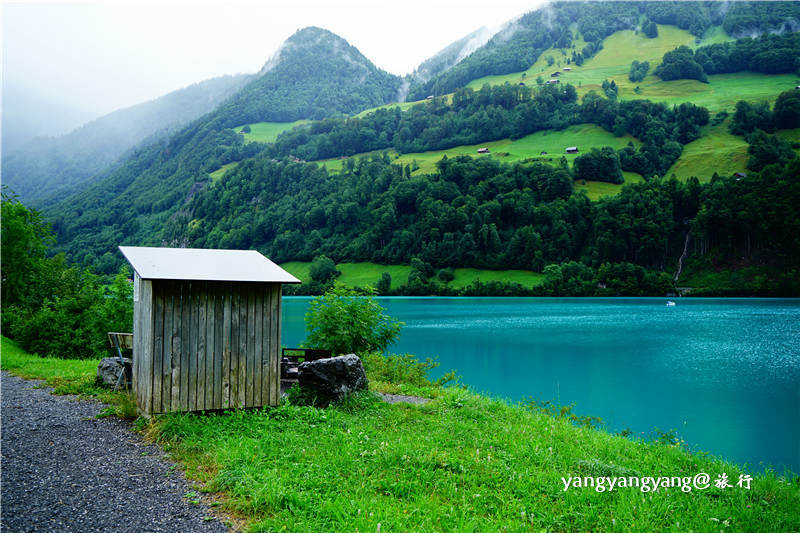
{"points": [[320, 43]]}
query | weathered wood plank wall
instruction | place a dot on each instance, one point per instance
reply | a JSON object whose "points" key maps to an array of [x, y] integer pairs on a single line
{"points": [[206, 345]]}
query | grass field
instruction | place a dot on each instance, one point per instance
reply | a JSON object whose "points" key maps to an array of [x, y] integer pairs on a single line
{"points": [[716, 151], [363, 274], [623, 47], [267, 132], [722, 92], [597, 189], [613, 62], [585, 136], [217, 174], [465, 276], [461, 462], [402, 105]]}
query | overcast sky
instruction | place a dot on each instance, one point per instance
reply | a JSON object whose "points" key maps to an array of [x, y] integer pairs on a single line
{"points": [[101, 56]]}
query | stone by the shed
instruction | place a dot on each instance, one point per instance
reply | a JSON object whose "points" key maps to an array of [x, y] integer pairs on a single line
{"points": [[110, 368], [333, 378]]}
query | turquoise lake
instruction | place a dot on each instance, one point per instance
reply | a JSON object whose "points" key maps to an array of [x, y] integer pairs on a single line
{"points": [[723, 373]]}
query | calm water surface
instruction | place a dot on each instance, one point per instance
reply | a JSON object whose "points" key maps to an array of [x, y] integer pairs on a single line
{"points": [[724, 373]]}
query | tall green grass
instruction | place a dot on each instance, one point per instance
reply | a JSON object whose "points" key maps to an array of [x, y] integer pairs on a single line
{"points": [[462, 462]]}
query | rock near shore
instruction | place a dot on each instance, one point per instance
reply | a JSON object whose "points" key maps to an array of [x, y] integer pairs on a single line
{"points": [[333, 378]]}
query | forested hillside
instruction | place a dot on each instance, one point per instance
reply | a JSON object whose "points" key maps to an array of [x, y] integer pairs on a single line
{"points": [[519, 44], [481, 213], [315, 74], [333, 187], [46, 167]]}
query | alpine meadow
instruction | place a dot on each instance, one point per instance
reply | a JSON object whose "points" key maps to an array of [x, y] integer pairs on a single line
{"points": [[597, 159]]}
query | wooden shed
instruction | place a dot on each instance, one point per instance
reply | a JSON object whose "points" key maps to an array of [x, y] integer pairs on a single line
{"points": [[206, 328]]}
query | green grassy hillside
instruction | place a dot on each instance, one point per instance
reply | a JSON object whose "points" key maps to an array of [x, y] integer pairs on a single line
{"points": [[585, 136], [622, 48], [613, 61], [597, 189], [267, 132], [363, 274], [716, 151], [217, 174]]}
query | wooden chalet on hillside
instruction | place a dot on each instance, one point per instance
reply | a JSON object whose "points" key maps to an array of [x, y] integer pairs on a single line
{"points": [[206, 328]]}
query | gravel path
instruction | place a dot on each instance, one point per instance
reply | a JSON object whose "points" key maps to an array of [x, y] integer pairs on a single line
{"points": [[64, 470]]}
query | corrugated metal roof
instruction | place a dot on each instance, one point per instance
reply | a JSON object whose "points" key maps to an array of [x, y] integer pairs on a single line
{"points": [[204, 265]]}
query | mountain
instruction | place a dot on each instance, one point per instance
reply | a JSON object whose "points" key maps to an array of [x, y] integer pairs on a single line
{"points": [[520, 42], [453, 54], [46, 167], [315, 74], [520, 204], [29, 113]]}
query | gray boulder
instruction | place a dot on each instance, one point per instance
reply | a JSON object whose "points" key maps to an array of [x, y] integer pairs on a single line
{"points": [[333, 378], [109, 370]]}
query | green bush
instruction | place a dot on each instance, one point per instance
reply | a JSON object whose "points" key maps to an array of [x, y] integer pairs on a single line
{"points": [[403, 369], [345, 320], [50, 307], [73, 324]]}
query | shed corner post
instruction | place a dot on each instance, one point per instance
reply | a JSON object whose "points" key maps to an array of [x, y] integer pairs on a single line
{"points": [[143, 344]]}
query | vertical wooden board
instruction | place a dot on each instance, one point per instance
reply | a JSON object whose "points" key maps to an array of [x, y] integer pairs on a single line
{"points": [[189, 351], [136, 365], [235, 332], [199, 303], [200, 398], [219, 344], [275, 333], [266, 359], [194, 342], [227, 336], [166, 363], [186, 318], [177, 303], [258, 321], [251, 345], [208, 382], [158, 345], [243, 332], [146, 299]]}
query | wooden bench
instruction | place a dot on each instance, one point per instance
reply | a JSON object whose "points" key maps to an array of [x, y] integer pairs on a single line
{"points": [[291, 359]]}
